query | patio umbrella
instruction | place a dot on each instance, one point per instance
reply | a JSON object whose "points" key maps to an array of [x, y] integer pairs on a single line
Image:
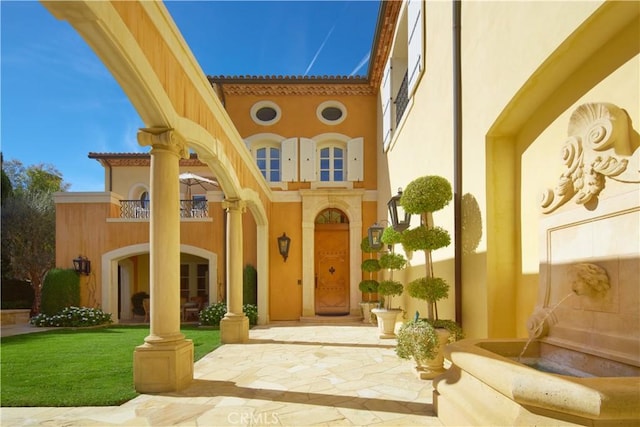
{"points": [[190, 179]]}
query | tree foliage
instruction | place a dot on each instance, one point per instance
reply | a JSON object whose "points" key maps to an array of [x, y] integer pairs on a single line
{"points": [[29, 223]]}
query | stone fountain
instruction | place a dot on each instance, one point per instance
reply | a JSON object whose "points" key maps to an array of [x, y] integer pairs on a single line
{"points": [[581, 363]]}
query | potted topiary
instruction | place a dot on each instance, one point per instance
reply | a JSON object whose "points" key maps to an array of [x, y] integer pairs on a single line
{"points": [[369, 286], [387, 315], [424, 196]]}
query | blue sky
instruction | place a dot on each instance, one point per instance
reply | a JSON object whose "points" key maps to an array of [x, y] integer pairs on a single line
{"points": [[59, 102]]}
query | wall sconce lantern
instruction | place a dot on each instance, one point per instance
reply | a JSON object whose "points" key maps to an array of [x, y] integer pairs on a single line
{"points": [[400, 219], [284, 242], [375, 236], [82, 265]]}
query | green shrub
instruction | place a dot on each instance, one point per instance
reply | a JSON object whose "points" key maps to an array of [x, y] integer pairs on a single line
{"points": [[213, 314], [392, 261], [16, 294], [390, 288], [61, 288], [73, 317], [426, 194], [370, 265], [425, 239], [250, 284], [251, 311]]}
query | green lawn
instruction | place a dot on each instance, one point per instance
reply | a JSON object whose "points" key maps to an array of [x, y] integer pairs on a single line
{"points": [[82, 367]]}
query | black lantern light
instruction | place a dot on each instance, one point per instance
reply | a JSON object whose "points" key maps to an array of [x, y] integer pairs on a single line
{"points": [[375, 236], [82, 265], [399, 218], [284, 242]]}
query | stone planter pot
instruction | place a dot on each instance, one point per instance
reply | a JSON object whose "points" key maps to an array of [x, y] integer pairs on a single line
{"points": [[387, 321], [366, 311], [431, 368]]}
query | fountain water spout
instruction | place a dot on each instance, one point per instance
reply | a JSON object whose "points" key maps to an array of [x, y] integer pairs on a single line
{"points": [[589, 280]]}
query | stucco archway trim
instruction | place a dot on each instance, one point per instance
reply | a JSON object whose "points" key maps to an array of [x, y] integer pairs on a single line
{"points": [[314, 202], [110, 261]]}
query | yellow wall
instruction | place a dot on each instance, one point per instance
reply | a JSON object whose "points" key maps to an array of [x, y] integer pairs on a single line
{"points": [[504, 44]]}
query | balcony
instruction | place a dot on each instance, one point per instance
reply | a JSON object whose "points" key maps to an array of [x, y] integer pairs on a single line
{"points": [[140, 209]]}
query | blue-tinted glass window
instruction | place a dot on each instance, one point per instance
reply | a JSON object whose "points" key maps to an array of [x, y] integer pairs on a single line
{"points": [[331, 164], [268, 161]]}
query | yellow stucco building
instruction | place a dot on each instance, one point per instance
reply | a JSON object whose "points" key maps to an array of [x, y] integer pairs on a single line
{"points": [[481, 94]]}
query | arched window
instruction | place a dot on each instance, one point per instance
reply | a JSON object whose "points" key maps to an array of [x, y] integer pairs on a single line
{"points": [[332, 164], [144, 200], [268, 160], [332, 216]]}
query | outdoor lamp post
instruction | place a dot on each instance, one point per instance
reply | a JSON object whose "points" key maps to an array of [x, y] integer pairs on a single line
{"points": [[284, 242], [399, 218], [375, 236], [82, 265]]}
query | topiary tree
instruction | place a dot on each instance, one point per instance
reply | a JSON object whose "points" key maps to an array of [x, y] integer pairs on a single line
{"points": [[423, 196], [61, 289], [370, 266]]}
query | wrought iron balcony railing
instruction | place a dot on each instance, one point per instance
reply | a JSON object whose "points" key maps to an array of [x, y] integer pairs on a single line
{"points": [[402, 98], [141, 209]]}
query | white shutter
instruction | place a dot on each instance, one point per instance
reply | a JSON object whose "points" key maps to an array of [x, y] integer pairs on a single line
{"points": [[355, 157], [289, 159], [416, 43], [307, 159], [385, 101]]}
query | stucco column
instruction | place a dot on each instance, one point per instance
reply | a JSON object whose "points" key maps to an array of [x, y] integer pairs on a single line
{"points": [[165, 361], [234, 327]]}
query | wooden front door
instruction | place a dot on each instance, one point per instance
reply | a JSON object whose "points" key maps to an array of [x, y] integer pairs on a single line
{"points": [[332, 269]]}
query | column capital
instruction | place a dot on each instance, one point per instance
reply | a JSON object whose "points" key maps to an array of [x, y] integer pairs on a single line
{"points": [[163, 139], [234, 204]]}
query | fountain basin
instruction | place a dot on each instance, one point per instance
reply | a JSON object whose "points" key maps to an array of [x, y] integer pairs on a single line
{"points": [[487, 385]]}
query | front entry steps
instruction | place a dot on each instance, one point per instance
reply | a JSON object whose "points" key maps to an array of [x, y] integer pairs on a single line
{"points": [[332, 320]]}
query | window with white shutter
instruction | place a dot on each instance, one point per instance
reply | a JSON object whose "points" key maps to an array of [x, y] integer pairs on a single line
{"points": [[385, 101], [355, 157], [307, 160], [289, 155], [415, 39]]}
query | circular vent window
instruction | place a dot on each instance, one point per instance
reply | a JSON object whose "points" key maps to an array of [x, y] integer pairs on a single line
{"points": [[265, 113], [331, 112]]}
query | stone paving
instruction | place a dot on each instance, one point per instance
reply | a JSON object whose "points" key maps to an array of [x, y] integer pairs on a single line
{"points": [[287, 375]]}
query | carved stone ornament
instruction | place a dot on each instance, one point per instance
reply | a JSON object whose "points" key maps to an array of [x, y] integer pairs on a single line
{"points": [[165, 138], [598, 147]]}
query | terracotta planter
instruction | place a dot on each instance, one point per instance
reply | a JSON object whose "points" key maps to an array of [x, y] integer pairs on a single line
{"points": [[386, 321], [431, 368], [366, 311]]}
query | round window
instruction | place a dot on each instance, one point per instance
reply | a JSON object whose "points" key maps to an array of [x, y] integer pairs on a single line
{"points": [[331, 112], [265, 113]]}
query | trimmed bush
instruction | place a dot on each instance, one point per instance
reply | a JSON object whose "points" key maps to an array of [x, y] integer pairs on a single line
{"points": [[250, 284], [61, 289]]}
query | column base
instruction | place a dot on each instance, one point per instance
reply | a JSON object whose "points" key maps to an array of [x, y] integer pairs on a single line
{"points": [[161, 368], [234, 329]]}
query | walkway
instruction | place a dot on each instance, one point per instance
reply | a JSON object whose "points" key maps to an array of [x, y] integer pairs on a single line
{"points": [[289, 374]]}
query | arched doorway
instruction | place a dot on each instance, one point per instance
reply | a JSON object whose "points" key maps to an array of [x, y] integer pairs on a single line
{"points": [[331, 237]]}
